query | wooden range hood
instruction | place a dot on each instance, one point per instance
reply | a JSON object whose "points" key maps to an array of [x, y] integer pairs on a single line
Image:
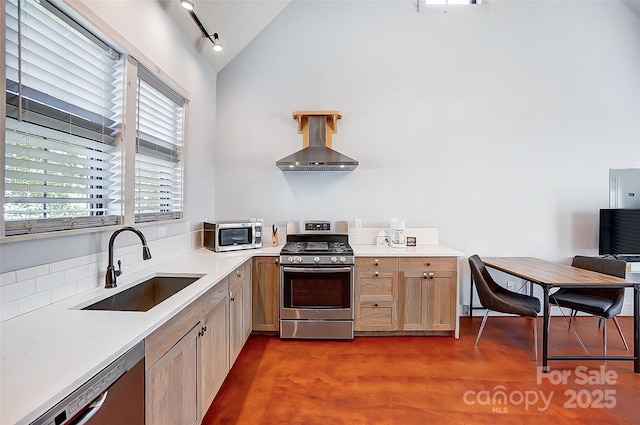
{"points": [[316, 128]]}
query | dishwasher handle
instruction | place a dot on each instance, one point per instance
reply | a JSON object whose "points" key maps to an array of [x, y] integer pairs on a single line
{"points": [[92, 409]]}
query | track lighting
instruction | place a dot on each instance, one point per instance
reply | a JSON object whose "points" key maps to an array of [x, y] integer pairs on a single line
{"points": [[187, 4], [217, 46]]}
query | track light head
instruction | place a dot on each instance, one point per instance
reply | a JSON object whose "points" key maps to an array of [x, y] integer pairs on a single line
{"points": [[217, 46], [187, 4]]}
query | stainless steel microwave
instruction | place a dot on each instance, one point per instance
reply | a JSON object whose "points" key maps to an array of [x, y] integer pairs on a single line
{"points": [[232, 235]]}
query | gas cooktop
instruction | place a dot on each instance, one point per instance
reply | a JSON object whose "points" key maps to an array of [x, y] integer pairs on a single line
{"points": [[317, 248], [318, 243]]}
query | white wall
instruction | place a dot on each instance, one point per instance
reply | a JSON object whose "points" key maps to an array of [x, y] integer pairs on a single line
{"points": [[146, 28], [498, 127]]}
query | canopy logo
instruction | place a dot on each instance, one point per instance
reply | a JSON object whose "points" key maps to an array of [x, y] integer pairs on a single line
{"points": [[600, 397]]}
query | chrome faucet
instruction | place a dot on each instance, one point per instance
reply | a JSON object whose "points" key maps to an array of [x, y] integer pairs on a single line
{"points": [[112, 273]]}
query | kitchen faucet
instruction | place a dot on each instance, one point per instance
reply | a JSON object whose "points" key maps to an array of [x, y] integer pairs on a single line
{"points": [[112, 273]]}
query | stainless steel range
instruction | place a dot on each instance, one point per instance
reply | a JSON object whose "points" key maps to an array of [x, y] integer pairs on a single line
{"points": [[316, 281]]}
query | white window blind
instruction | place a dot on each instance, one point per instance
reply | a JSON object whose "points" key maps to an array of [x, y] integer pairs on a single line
{"points": [[159, 182], [61, 85]]}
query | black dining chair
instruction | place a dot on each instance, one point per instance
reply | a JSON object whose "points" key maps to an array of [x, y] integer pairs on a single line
{"points": [[604, 303], [494, 297]]}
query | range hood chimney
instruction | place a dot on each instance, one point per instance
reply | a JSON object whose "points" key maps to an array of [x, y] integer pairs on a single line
{"points": [[316, 128]]}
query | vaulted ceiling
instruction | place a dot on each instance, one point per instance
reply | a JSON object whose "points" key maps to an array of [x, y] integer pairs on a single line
{"points": [[238, 21]]}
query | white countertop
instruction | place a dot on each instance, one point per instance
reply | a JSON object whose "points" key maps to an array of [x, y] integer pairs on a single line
{"points": [[48, 353]]}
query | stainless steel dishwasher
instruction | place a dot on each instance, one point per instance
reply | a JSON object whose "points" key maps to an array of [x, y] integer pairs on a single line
{"points": [[114, 396]]}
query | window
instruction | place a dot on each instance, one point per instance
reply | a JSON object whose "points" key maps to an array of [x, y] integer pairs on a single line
{"points": [[158, 184], [451, 5], [60, 133], [66, 149], [448, 2]]}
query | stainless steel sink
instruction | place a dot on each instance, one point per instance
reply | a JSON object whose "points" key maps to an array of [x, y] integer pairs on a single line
{"points": [[145, 295]]}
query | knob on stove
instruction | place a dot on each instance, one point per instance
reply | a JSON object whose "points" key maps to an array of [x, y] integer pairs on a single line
{"points": [[343, 259], [334, 259], [290, 259], [298, 259], [316, 260]]}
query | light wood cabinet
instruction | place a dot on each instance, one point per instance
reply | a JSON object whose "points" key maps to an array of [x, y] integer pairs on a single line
{"points": [[213, 353], [427, 294], [247, 300], [171, 384], [187, 359], [376, 294], [236, 330], [406, 294], [239, 309], [442, 301], [265, 282]]}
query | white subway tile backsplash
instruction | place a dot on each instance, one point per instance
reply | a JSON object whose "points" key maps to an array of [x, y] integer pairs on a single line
{"points": [[32, 272], [34, 302], [17, 290], [367, 235], [62, 265], [64, 291], [8, 278], [8, 310], [90, 283], [53, 280], [25, 290], [87, 259], [80, 272]]}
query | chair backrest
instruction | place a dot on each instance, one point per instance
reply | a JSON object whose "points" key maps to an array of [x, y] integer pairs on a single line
{"points": [[495, 297], [485, 285], [601, 265], [605, 266]]}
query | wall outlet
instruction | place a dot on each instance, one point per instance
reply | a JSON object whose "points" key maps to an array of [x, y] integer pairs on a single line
{"points": [[511, 285]]}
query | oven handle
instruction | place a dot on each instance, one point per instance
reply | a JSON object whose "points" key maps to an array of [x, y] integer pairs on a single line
{"points": [[316, 270]]}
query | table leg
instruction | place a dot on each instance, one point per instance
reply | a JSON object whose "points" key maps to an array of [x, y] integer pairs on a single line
{"points": [[545, 328], [636, 327]]}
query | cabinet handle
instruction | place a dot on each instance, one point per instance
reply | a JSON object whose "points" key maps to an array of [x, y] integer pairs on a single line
{"points": [[430, 275], [428, 264], [232, 299], [277, 262], [376, 274], [424, 275], [375, 305], [238, 274], [376, 262]]}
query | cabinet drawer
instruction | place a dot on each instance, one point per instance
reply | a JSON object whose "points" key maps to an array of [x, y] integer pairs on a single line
{"points": [[376, 286], [432, 264], [376, 316], [377, 263]]}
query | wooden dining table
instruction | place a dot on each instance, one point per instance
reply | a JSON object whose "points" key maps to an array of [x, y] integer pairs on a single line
{"points": [[550, 275]]}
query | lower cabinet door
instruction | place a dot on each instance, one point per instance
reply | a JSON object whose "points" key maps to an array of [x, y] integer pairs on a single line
{"points": [[171, 396], [412, 301], [236, 330], [213, 352], [443, 298]]}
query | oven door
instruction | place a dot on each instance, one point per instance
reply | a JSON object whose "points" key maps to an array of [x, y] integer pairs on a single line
{"points": [[318, 293]]}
